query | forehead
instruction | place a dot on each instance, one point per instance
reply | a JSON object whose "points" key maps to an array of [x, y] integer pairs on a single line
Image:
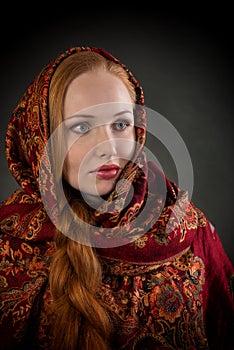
{"points": [[102, 109], [94, 88]]}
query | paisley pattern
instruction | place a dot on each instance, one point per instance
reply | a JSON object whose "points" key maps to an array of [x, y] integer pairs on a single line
{"points": [[160, 287], [162, 303]]}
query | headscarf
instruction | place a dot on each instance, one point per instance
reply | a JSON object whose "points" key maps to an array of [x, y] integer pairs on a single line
{"points": [[23, 214]]}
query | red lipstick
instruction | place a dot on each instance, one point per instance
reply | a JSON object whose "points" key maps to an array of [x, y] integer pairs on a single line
{"points": [[107, 172]]}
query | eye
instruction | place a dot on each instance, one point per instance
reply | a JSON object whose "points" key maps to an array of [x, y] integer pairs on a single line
{"points": [[121, 125], [81, 128]]}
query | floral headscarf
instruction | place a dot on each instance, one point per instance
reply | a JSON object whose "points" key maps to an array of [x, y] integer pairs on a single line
{"points": [[23, 214]]}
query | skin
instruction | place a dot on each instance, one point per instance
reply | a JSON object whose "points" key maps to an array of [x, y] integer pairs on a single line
{"points": [[98, 114]]}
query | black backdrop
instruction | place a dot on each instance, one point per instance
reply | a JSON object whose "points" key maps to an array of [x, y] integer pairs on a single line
{"points": [[183, 60]]}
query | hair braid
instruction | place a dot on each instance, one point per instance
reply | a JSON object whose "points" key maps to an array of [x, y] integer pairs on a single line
{"points": [[81, 321]]}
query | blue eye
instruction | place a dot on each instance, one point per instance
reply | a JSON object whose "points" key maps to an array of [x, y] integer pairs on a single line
{"points": [[81, 128], [121, 125]]}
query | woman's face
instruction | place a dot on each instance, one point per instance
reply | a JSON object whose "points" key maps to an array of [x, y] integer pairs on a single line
{"points": [[98, 114]]}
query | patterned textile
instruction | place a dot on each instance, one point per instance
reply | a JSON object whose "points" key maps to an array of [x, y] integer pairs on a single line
{"points": [[167, 286]]}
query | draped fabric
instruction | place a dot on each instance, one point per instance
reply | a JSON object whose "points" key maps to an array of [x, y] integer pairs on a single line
{"points": [[167, 281]]}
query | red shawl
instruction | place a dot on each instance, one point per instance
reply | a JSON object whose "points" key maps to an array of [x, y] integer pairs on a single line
{"points": [[169, 280]]}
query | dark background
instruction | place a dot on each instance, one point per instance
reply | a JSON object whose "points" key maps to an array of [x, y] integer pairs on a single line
{"points": [[183, 59]]}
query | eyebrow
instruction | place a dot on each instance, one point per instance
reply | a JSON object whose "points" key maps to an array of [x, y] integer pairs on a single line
{"points": [[94, 116]]}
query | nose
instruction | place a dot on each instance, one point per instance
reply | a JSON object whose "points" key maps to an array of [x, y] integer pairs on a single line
{"points": [[105, 143]]}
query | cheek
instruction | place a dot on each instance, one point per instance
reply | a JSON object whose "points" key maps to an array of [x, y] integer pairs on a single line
{"points": [[72, 162], [130, 150], [127, 146]]}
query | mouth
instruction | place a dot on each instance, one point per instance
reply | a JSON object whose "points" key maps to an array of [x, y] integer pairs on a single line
{"points": [[107, 172]]}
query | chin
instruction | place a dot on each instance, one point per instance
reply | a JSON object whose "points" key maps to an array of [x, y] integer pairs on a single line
{"points": [[105, 192]]}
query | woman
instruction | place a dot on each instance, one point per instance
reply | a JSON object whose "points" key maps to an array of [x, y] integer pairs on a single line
{"points": [[99, 250]]}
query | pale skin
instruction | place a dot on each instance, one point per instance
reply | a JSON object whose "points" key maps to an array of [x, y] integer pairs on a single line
{"points": [[98, 113]]}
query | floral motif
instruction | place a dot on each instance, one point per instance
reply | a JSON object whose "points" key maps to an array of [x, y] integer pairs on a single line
{"points": [[164, 299]]}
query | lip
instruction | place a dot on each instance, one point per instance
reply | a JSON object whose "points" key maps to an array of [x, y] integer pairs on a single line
{"points": [[107, 172]]}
